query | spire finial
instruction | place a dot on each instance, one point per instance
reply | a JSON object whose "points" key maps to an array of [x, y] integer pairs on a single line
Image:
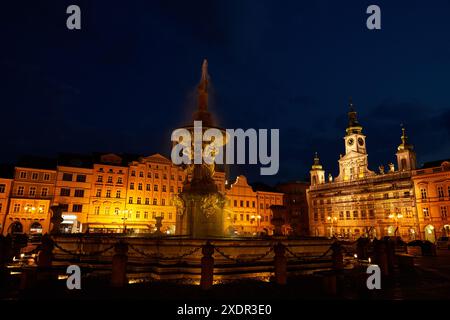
{"points": [[205, 70], [203, 88], [350, 104]]}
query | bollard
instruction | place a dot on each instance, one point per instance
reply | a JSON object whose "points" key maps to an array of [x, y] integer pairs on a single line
{"points": [[337, 256], [119, 265], [380, 257], [280, 262], [207, 265], [45, 254]]}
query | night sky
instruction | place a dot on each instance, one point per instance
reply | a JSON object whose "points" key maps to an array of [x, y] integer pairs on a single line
{"points": [[128, 77]]}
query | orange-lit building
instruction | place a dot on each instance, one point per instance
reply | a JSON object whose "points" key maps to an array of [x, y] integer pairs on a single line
{"points": [[359, 201], [432, 188], [5, 189], [248, 212], [31, 194]]}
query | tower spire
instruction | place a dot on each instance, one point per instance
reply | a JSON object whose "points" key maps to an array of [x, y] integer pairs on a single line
{"points": [[353, 124], [404, 145]]}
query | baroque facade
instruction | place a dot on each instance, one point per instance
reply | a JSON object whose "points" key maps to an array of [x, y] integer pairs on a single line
{"points": [[362, 202]]}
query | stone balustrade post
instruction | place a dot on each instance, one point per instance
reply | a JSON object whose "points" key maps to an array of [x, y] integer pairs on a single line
{"points": [[207, 265], [119, 265], [280, 262], [337, 256], [45, 254]]}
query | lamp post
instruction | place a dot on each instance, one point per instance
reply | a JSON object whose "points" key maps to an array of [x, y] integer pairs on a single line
{"points": [[124, 219], [396, 216], [331, 220]]}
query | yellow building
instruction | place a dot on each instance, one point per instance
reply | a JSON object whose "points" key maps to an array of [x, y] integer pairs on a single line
{"points": [[5, 188], [432, 188], [359, 201], [248, 212], [73, 192], [31, 195], [108, 211], [153, 182]]}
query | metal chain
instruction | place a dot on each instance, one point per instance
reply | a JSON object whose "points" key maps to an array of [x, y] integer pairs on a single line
{"points": [[160, 257], [306, 259], [84, 254], [226, 256]]}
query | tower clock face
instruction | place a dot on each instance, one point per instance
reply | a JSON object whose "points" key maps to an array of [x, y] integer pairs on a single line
{"points": [[350, 141], [361, 141]]}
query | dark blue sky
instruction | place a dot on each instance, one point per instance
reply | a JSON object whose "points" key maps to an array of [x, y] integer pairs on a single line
{"points": [[124, 81]]}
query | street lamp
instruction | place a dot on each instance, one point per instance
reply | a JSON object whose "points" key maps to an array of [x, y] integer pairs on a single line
{"points": [[331, 220], [396, 216], [124, 218]]}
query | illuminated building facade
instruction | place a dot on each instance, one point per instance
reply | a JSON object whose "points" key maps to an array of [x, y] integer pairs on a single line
{"points": [[432, 188], [5, 188], [359, 201], [30, 198], [248, 211]]}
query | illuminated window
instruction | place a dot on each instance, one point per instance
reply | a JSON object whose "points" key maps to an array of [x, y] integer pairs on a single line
{"points": [[347, 214], [99, 193], [148, 188], [130, 200], [426, 213], [138, 215], [110, 179], [119, 180], [145, 215], [155, 202], [140, 186], [106, 210], [141, 174], [131, 185], [118, 194], [100, 179], [139, 200], [423, 193], [80, 193], [97, 210]]}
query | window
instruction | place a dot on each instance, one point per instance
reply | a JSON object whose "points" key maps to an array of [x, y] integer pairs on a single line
{"points": [[386, 195], [141, 174], [64, 207], [149, 175], [241, 203], [2, 188], [138, 214], [81, 178], [261, 206], [347, 214], [170, 216], [163, 202], [77, 208], [97, 210], [426, 213], [116, 211], [180, 178], [119, 180], [130, 200], [247, 204], [148, 188], [316, 214], [164, 189], [118, 194], [110, 180], [139, 200], [32, 191], [145, 215], [423, 193], [140, 186], [99, 193], [172, 177], [23, 175], [341, 215], [34, 176], [371, 214], [133, 173], [155, 202], [67, 177], [235, 203], [108, 193], [242, 217], [100, 179], [44, 192], [179, 189], [153, 215], [171, 189], [440, 192], [106, 210], [162, 215], [444, 213], [355, 215], [80, 193], [363, 214], [165, 176], [155, 187], [131, 185], [156, 176], [16, 207], [147, 201], [65, 192], [20, 190], [46, 176], [253, 204]]}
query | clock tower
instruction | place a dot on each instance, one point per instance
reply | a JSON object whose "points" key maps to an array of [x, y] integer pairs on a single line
{"points": [[353, 165]]}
